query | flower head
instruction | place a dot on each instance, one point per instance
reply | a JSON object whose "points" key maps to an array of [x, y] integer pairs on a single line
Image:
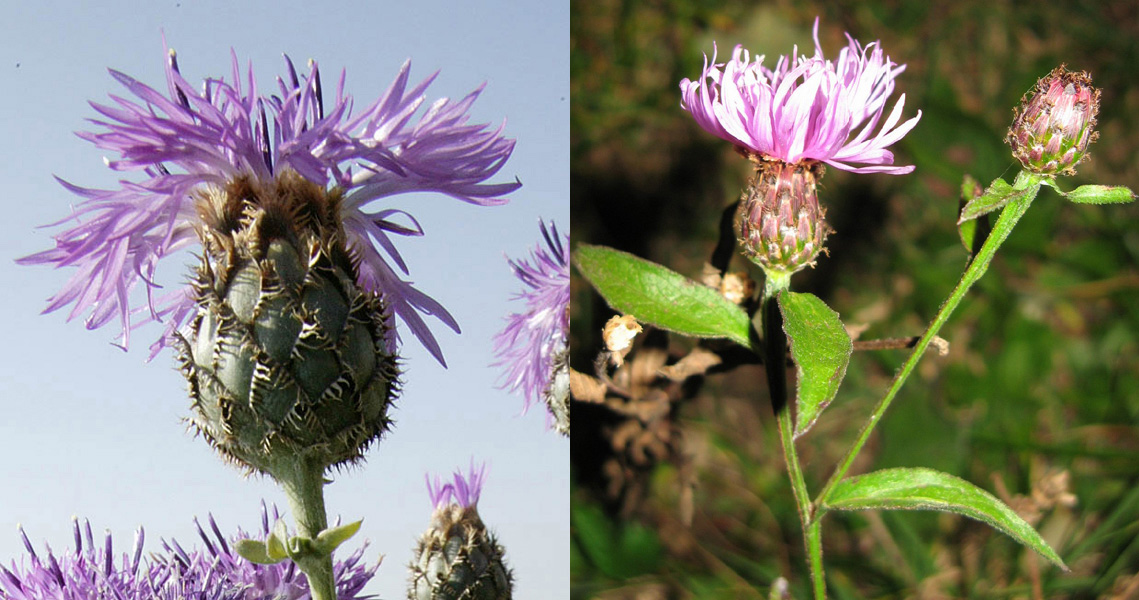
{"points": [[806, 108], [187, 142], [461, 490], [1056, 122], [533, 344]]}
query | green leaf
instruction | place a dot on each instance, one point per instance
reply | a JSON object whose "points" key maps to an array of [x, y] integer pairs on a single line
{"points": [[255, 552], [821, 350], [300, 546], [967, 230], [331, 538], [275, 544], [1101, 194], [926, 489], [663, 298], [995, 197]]}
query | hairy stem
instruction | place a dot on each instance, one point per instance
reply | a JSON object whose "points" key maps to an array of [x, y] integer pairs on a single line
{"points": [[775, 351], [303, 483], [1009, 216]]}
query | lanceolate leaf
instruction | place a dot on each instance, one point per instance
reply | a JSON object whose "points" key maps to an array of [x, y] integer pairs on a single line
{"points": [[926, 489], [821, 350], [1101, 194], [974, 231], [656, 295], [256, 552], [276, 543], [329, 539], [996, 196]]}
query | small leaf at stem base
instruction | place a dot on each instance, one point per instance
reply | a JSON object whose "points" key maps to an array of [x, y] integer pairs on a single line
{"points": [[275, 544], [821, 350], [996, 196], [927, 489], [329, 539], [255, 552], [656, 295]]}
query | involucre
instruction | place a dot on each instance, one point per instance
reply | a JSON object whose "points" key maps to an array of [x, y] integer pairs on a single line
{"points": [[286, 355]]}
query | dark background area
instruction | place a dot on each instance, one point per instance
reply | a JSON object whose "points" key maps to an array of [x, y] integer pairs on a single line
{"points": [[1041, 385]]}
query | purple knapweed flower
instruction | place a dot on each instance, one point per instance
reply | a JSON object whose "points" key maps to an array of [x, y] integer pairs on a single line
{"points": [[187, 141], [91, 572], [463, 490], [805, 109], [533, 345], [88, 572]]}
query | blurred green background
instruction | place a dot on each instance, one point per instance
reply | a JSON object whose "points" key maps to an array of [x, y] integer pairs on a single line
{"points": [[1038, 398]]}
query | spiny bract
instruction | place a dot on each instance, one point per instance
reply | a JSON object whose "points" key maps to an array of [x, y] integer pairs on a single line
{"points": [[458, 559], [286, 355]]}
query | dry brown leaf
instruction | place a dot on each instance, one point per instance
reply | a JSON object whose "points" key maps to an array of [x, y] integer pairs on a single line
{"points": [[694, 363], [586, 388]]}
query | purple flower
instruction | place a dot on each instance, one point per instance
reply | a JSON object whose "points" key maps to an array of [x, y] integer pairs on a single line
{"points": [[88, 572], [806, 108], [532, 340], [463, 491], [186, 140]]}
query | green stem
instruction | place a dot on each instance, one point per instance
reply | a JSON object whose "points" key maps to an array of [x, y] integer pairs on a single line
{"points": [[814, 534], [775, 360], [303, 483], [1011, 213]]}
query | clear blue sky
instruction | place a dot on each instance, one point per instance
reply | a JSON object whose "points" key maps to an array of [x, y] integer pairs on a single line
{"points": [[88, 430]]}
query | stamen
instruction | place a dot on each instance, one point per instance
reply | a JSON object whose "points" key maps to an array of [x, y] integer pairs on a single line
{"points": [[173, 58], [266, 149], [316, 88]]}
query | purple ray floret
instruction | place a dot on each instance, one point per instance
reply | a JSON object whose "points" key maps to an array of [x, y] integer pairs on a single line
{"points": [[181, 142], [806, 108], [527, 347], [92, 572], [461, 490]]}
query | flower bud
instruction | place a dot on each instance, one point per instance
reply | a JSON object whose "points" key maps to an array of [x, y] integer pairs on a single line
{"points": [[779, 224], [457, 557], [1053, 127], [286, 356]]}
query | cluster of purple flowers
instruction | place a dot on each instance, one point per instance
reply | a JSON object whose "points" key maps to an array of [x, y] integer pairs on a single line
{"points": [[215, 572], [185, 140]]}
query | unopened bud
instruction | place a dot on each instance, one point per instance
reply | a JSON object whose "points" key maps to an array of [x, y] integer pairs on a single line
{"points": [[1055, 123], [779, 224]]}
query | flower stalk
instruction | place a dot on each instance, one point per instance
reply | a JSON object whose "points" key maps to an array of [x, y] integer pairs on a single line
{"points": [[1010, 215], [303, 483], [775, 361]]}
